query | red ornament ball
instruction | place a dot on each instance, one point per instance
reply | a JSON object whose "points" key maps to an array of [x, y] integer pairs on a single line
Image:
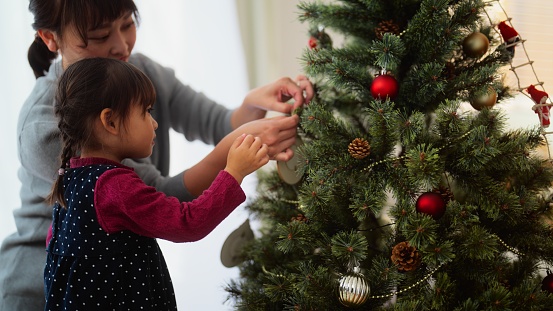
{"points": [[384, 86], [313, 43], [547, 283], [431, 203]]}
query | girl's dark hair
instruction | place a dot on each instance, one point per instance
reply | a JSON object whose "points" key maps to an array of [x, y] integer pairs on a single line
{"points": [[85, 89], [57, 15]]}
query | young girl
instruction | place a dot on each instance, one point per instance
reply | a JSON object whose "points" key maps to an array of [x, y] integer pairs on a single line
{"points": [[103, 252], [74, 29]]}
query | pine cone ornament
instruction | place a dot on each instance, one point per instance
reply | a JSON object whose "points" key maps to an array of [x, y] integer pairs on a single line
{"points": [[386, 26], [445, 192], [406, 257], [449, 71], [359, 148], [300, 218]]}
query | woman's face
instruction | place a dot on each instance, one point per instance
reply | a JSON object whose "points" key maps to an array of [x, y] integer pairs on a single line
{"points": [[111, 40]]}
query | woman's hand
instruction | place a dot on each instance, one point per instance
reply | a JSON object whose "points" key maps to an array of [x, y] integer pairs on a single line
{"points": [[274, 97], [278, 133]]}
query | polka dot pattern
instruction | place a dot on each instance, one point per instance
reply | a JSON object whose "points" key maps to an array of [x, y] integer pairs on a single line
{"points": [[89, 269]]}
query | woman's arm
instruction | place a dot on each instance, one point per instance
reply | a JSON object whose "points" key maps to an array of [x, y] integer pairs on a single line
{"points": [[279, 133]]}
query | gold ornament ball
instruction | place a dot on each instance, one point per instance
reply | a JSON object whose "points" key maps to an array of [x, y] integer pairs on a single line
{"points": [[486, 100], [476, 44], [353, 290]]}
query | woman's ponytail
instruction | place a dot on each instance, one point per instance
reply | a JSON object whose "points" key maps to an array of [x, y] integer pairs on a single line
{"points": [[40, 57]]}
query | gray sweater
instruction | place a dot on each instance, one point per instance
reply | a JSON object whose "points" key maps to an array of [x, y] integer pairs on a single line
{"points": [[178, 107]]}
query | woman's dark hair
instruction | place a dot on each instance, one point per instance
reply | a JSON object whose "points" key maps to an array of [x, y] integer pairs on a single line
{"points": [[57, 15], [85, 89]]}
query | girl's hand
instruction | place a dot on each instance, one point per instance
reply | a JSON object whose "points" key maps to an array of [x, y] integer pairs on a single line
{"points": [[246, 155]]}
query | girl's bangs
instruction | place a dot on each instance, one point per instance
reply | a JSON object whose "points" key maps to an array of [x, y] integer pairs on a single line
{"points": [[140, 89], [145, 91]]}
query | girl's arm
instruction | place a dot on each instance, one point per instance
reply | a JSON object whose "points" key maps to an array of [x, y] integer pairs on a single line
{"points": [[124, 202]]}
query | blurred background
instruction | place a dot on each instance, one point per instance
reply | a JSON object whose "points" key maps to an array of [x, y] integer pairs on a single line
{"points": [[222, 48]]}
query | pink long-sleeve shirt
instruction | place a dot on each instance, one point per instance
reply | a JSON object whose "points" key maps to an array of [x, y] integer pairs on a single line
{"points": [[123, 202]]}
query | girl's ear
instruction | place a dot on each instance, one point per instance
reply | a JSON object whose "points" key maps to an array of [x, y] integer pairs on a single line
{"points": [[109, 122], [49, 38]]}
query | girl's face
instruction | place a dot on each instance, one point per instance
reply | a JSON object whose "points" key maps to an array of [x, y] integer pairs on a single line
{"points": [[115, 39], [139, 134]]}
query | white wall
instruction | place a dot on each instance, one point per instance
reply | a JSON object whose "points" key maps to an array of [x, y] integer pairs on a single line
{"points": [[16, 81]]}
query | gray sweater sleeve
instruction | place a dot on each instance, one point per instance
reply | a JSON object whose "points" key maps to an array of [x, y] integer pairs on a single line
{"points": [[170, 185], [179, 108]]}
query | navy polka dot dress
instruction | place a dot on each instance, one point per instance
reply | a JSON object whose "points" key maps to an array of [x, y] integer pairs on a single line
{"points": [[89, 269]]}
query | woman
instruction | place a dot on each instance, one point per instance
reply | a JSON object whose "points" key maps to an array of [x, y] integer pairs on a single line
{"points": [[76, 29]]}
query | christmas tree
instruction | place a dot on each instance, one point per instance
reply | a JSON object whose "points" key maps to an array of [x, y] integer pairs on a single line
{"points": [[398, 199]]}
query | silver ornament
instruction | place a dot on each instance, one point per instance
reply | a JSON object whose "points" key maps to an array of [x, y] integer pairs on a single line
{"points": [[354, 289], [288, 171]]}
